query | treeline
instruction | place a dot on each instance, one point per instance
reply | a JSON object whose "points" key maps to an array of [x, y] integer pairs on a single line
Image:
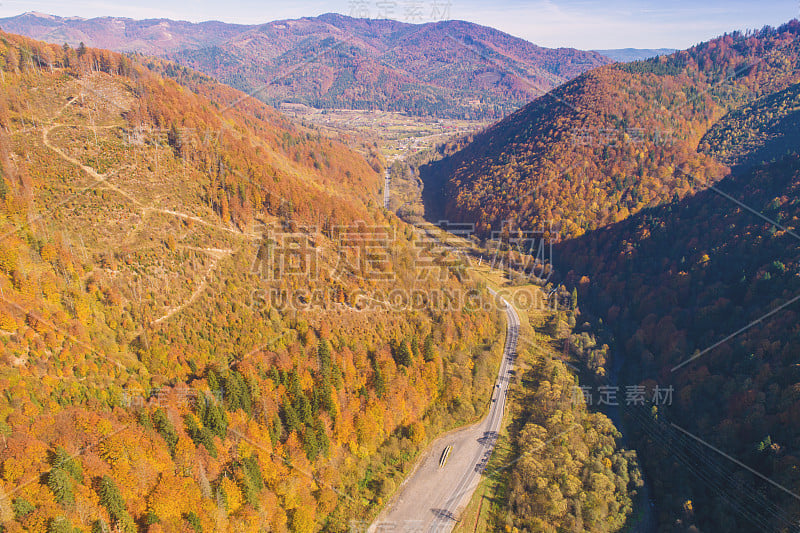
{"points": [[570, 474], [563, 465], [20, 53]]}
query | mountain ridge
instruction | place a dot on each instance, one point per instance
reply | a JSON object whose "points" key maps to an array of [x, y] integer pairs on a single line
{"points": [[611, 141], [444, 68]]}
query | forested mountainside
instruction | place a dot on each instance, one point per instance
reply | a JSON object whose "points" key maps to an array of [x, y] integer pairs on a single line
{"points": [[447, 68], [669, 284], [614, 140], [149, 382], [700, 293], [766, 129], [672, 184]]}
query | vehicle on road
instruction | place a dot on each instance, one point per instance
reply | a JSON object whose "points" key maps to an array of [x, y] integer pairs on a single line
{"points": [[445, 455]]}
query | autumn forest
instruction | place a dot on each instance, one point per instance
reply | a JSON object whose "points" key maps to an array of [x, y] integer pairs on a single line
{"points": [[218, 317]]}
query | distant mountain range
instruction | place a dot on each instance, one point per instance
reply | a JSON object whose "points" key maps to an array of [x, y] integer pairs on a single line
{"points": [[153, 37], [625, 55], [448, 68]]}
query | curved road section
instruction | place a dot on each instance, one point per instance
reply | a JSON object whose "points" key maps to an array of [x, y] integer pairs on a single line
{"points": [[433, 496]]}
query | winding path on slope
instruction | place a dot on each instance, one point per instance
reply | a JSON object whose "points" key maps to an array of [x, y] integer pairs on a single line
{"points": [[432, 497]]}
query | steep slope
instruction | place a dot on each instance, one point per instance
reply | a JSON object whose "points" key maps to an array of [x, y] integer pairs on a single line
{"points": [[674, 285], [700, 294], [612, 141], [765, 129], [163, 367], [449, 68]]}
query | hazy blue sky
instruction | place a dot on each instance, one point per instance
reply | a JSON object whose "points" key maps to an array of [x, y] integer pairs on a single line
{"points": [[581, 24]]}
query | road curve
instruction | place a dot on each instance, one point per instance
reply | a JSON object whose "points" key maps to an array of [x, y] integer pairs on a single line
{"points": [[432, 497]]}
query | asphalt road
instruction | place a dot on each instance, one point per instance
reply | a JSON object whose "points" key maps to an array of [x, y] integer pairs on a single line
{"points": [[387, 182], [432, 497]]}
